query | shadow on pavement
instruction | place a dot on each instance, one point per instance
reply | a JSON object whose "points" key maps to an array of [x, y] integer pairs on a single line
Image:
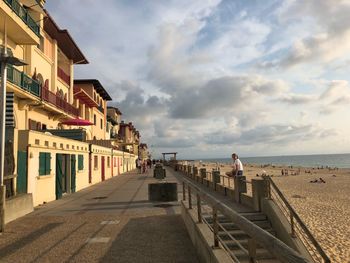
{"points": [[152, 239], [22, 242]]}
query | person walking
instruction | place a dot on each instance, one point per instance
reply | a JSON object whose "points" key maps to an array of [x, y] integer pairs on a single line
{"points": [[139, 165], [237, 165]]}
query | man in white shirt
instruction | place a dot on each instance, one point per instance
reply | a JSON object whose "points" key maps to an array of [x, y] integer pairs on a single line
{"points": [[237, 167]]}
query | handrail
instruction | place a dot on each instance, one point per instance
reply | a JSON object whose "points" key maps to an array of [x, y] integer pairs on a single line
{"points": [[275, 246], [293, 214]]}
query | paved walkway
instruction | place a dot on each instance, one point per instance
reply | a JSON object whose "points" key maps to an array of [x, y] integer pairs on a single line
{"points": [[112, 221]]}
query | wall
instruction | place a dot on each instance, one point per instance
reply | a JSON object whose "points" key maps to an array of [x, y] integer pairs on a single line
{"points": [[96, 172], [43, 187]]}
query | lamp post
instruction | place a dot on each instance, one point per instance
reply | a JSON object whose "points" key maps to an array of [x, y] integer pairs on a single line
{"points": [[6, 58]]}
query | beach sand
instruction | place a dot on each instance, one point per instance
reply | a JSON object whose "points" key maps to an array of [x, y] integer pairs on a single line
{"points": [[324, 207]]}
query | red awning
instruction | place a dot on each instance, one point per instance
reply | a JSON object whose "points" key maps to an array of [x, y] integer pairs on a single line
{"points": [[77, 122]]}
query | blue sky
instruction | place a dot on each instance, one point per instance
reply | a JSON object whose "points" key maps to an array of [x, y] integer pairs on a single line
{"points": [[209, 77]]}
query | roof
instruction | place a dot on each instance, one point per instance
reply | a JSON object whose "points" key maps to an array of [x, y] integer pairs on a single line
{"points": [[97, 85], [64, 41], [116, 109]]}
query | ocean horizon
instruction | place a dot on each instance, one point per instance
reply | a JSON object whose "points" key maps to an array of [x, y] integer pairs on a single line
{"points": [[313, 160]]}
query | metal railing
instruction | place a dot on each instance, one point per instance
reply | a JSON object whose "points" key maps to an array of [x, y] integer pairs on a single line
{"points": [[203, 202], [22, 13], [59, 102], [23, 81], [297, 225]]}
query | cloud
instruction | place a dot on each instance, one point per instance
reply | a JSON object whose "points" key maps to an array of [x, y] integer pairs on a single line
{"points": [[336, 96], [277, 134], [296, 99], [331, 37], [226, 93]]}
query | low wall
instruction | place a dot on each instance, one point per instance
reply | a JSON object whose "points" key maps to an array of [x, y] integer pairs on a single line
{"points": [[202, 238], [18, 206]]}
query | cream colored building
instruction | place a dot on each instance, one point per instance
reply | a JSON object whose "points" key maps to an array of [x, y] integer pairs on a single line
{"points": [[92, 99], [43, 162]]}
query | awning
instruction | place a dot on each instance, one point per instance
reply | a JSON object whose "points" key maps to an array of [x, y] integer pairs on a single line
{"points": [[84, 97], [77, 122]]}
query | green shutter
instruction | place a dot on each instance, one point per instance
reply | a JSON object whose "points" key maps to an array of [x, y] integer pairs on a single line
{"points": [[80, 162], [48, 163], [42, 163]]}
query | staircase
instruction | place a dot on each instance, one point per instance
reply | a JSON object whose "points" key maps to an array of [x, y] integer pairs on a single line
{"points": [[228, 229]]}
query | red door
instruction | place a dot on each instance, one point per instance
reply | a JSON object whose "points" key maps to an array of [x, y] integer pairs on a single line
{"points": [[102, 168], [118, 166]]}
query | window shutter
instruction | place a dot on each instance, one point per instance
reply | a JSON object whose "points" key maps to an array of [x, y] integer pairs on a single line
{"points": [[80, 162], [42, 163], [47, 163]]}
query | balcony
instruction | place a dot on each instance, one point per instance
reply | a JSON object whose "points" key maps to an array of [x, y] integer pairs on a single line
{"points": [[59, 102], [23, 81], [63, 76], [22, 13]]}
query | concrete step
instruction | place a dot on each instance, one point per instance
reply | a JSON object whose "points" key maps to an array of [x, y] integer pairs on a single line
{"points": [[261, 254], [240, 235], [231, 226], [254, 217], [271, 260]]}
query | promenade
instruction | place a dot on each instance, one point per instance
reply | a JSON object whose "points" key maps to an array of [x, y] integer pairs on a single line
{"points": [[112, 221]]}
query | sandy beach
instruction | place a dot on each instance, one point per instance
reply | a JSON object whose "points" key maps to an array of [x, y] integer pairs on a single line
{"points": [[324, 207]]}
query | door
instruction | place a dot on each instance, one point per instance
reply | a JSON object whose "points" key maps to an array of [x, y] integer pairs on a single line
{"points": [[59, 175], [90, 168], [22, 181], [102, 168], [73, 173], [64, 174]]}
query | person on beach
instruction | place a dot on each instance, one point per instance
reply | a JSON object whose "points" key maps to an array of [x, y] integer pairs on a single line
{"points": [[237, 167]]}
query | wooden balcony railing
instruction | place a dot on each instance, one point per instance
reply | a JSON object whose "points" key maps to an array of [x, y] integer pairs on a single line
{"points": [[59, 102], [63, 75]]}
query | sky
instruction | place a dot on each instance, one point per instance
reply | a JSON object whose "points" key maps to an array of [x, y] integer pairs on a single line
{"points": [[206, 78]]}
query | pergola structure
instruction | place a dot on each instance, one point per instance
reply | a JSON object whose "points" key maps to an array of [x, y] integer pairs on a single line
{"points": [[173, 153]]}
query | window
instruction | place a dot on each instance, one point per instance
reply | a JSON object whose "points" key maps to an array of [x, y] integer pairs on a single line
{"points": [[95, 162], [101, 123], [94, 119], [44, 163], [80, 162], [108, 162]]}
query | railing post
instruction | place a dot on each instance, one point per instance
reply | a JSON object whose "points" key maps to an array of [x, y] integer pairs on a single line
{"points": [[202, 173], [252, 249], [215, 227], [199, 208], [292, 225], [240, 186], [189, 198], [183, 191], [215, 178], [259, 191]]}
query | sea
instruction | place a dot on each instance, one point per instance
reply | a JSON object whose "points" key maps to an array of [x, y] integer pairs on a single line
{"points": [[319, 160]]}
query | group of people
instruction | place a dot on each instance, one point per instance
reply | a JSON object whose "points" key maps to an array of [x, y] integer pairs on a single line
{"points": [[143, 165]]}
